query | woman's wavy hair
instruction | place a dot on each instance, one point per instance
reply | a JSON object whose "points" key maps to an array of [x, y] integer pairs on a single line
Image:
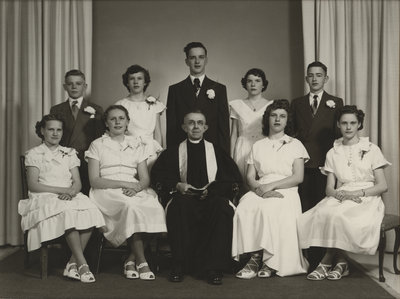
{"points": [[42, 123], [351, 109], [255, 72], [277, 104], [133, 69]]}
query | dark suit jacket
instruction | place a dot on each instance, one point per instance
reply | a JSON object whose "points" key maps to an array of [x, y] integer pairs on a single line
{"points": [[316, 133], [182, 99], [79, 133]]}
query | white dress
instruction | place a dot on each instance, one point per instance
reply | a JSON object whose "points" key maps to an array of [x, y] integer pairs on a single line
{"points": [[249, 130], [124, 215], [143, 120], [348, 225], [269, 224], [45, 215]]}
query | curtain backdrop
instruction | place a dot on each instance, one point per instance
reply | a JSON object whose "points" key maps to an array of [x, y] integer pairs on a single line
{"points": [[359, 42], [39, 42]]}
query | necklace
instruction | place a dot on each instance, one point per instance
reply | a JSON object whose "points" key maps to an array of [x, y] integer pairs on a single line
{"points": [[252, 106]]}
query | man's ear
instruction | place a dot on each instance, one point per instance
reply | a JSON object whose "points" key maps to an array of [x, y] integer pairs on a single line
{"points": [[187, 61], [337, 124], [205, 128], [326, 79], [184, 128]]}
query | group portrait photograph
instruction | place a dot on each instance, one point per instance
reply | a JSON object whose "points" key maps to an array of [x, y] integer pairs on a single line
{"points": [[199, 149]]}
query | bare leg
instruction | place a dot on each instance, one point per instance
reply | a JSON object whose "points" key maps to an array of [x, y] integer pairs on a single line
{"points": [[329, 256], [138, 249], [74, 243]]}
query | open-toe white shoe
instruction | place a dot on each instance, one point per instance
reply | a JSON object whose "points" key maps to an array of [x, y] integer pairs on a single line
{"points": [[86, 277], [71, 271], [145, 275], [130, 274]]}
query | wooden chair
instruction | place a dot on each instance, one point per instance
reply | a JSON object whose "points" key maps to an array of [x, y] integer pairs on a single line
{"points": [[44, 250], [389, 222]]}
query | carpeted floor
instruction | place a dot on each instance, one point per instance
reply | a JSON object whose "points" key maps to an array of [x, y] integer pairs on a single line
{"points": [[17, 282]]}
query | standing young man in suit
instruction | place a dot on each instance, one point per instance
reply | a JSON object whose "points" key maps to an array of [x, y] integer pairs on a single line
{"points": [[83, 121], [197, 91], [315, 126]]}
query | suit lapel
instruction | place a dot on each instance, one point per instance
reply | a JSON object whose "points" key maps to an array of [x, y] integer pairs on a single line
{"points": [[81, 119], [305, 111], [189, 97], [322, 107]]}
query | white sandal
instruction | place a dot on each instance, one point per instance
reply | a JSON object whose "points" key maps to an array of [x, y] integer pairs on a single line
{"points": [[71, 272], [249, 271], [320, 273], [86, 277], [340, 270], [130, 274], [145, 275], [265, 271]]}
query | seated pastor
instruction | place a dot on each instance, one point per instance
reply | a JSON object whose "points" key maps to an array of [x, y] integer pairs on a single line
{"points": [[200, 178]]}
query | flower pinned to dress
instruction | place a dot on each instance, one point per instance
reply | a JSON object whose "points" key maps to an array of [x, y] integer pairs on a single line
{"points": [[150, 100], [90, 110], [211, 94], [331, 104], [63, 153]]}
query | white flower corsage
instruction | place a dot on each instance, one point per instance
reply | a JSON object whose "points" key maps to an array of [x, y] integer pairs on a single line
{"points": [[150, 100], [90, 110], [211, 94], [331, 104]]}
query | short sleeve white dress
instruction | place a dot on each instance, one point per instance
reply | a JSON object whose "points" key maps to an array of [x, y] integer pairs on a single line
{"points": [[348, 225], [269, 224], [143, 119], [44, 215], [250, 130], [124, 215]]}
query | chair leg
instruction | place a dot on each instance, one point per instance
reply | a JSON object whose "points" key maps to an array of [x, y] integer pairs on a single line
{"points": [[99, 251], [44, 261], [396, 250], [382, 245], [26, 259]]}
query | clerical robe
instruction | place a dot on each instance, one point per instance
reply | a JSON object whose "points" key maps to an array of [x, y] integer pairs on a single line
{"points": [[199, 229]]}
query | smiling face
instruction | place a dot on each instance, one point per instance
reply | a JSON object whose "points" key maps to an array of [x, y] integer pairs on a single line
{"points": [[136, 83], [349, 125], [52, 132], [196, 61], [116, 122], [254, 85], [316, 79], [75, 86], [277, 121], [195, 125]]}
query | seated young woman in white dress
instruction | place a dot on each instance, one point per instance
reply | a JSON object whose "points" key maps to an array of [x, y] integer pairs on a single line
{"points": [[119, 182], [264, 224], [144, 111], [55, 206], [349, 218]]}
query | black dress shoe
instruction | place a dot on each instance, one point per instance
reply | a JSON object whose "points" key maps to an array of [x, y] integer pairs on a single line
{"points": [[214, 277], [175, 276]]}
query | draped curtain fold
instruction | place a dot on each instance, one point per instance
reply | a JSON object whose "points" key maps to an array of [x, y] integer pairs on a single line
{"points": [[39, 42], [359, 42]]}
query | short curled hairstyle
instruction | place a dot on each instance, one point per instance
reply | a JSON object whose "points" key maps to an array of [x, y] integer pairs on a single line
{"points": [[133, 69], [255, 72], [115, 107], [42, 124], [275, 105], [318, 64], [351, 109], [74, 73], [192, 45]]}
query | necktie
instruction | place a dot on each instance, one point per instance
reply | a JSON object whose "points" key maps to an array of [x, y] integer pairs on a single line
{"points": [[75, 109], [314, 105], [196, 82]]}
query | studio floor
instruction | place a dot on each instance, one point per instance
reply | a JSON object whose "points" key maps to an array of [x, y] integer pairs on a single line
{"points": [[367, 264]]}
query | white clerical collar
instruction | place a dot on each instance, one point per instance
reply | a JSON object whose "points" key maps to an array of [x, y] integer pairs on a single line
{"points": [[311, 97], [80, 99], [195, 141], [201, 78]]}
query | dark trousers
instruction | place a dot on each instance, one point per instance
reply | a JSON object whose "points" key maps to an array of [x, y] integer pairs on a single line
{"points": [[84, 174], [312, 191], [200, 233]]}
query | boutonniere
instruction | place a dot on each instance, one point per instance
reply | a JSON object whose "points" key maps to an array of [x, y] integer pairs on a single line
{"points": [[90, 110], [63, 153], [150, 100], [331, 104], [210, 94]]}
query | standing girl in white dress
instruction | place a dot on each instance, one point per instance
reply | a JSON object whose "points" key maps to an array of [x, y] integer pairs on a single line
{"points": [[264, 224], [246, 116], [349, 218], [144, 111], [120, 188], [55, 206]]}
